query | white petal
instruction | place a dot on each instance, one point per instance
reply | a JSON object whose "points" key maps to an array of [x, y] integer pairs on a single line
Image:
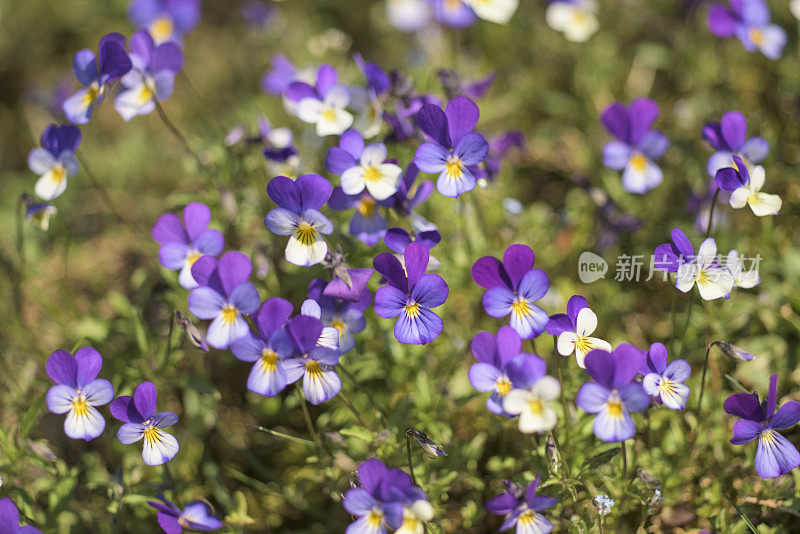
{"points": [[88, 425], [339, 121], [40, 161], [707, 252], [135, 101], [516, 401], [546, 388], [309, 110], [50, 185], [161, 449], [757, 177], [586, 322], [739, 197], [352, 180], [497, 11], [764, 204], [373, 154], [716, 283], [306, 255], [530, 423], [338, 97], [566, 343]]}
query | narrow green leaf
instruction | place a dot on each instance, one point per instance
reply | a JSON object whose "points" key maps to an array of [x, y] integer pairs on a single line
{"points": [[744, 517], [31, 417], [282, 435], [600, 459]]}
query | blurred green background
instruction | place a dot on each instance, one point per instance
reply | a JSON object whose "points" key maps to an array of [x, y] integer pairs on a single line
{"points": [[94, 279]]}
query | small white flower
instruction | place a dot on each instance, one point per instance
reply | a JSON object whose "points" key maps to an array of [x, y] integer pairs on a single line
{"points": [[713, 281], [329, 115], [576, 20], [762, 204], [532, 405], [497, 11], [579, 341]]}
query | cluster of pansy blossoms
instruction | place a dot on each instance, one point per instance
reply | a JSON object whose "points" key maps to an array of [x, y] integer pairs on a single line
{"points": [[379, 140]]}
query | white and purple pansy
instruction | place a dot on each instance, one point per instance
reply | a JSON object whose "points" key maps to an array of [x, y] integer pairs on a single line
{"points": [[345, 316], [729, 138], [748, 21], [323, 105], [665, 381], [315, 363], [573, 330], [55, 161], [745, 186], [197, 515], [142, 422], [363, 167], [521, 507]]}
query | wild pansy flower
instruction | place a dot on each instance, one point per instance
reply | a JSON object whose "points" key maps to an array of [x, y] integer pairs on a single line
{"points": [[183, 243], [453, 146], [613, 395], [502, 366], [152, 77], [745, 186], [280, 76], [521, 506], [513, 285], [94, 72], [346, 316], [713, 280], [729, 138], [636, 146], [745, 279], [323, 105], [748, 21], [573, 330], [298, 216], [9, 519], [408, 15], [576, 19], [316, 363], [775, 455], [363, 167], [268, 348], [55, 161], [397, 239], [532, 404], [143, 422], [197, 515], [78, 392], [224, 296], [278, 141], [367, 224], [329, 337], [453, 13], [165, 20], [665, 381], [410, 295], [497, 11], [39, 213], [369, 100]]}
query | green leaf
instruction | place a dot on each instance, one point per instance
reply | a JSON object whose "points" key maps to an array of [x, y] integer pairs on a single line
{"points": [[31, 417], [359, 432]]}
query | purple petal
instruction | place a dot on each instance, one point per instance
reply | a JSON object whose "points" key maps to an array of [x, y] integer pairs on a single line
{"points": [[616, 155], [285, 193], [433, 122], [419, 330], [397, 239], [534, 285], [89, 363], [745, 431], [431, 157], [600, 366], [196, 217], [370, 474], [628, 362], [272, 315], [654, 144], [114, 61], [488, 272], [84, 65], [390, 267], [326, 79], [168, 523], [337, 160], [62, 368], [144, 398], [245, 298], [509, 344], [431, 291], [634, 397], [169, 229], [772, 397], [297, 91], [525, 369], [167, 56], [518, 260], [744, 405], [575, 304], [124, 409], [775, 456], [484, 348], [755, 149], [389, 302], [712, 132], [416, 258], [233, 270], [484, 376], [615, 119], [642, 113], [733, 128], [502, 504], [657, 358], [682, 243], [314, 191], [559, 323], [352, 142], [358, 279], [788, 415], [305, 331], [728, 179], [592, 396], [721, 21], [462, 117], [497, 301]]}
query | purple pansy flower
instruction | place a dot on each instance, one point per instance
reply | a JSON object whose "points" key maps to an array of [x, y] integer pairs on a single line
{"points": [[513, 285], [152, 77], [713, 280], [278, 142], [9, 519], [521, 506], [613, 395], [258, 13], [397, 239], [636, 146], [93, 74], [280, 77], [665, 381], [298, 216], [363, 167], [411, 294], [197, 515], [348, 286], [367, 224], [55, 161], [346, 316], [39, 213], [268, 348], [775, 455], [183, 243], [224, 296], [316, 363], [729, 138], [324, 104], [142, 421], [573, 330], [748, 21], [165, 20], [453, 146], [453, 13], [745, 185], [502, 366], [78, 391]]}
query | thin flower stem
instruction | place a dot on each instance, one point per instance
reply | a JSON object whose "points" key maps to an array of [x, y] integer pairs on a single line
{"points": [[354, 410], [600, 523], [624, 453], [182, 138], [410, 464], [350, 376], [287, 437], [100, 188], [170, 479], [711, 212], [309, 424], [703, 378], [645, 515]]}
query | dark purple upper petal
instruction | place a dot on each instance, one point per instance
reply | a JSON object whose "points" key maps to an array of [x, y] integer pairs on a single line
{"points": [[314, 191], [682, 243], [656, 358], [337, 160], [304, 331], [285, 193], [502, 504], [518, 260], [196, 217], [462, 117], [297, 91], [391, 268], [744, 405], [397, 239], [642, 113], [721, 21], [628, 361], [326, 79], [169, 229], [430, 291], [234, 268], [489, 272], [124, 409], [167, 56], [337, 288], [559, 323], [615, 119], [712, 132], [509, 344], [525, 369], [733, 128], [786, 416], [145, 397], [416, 258], [433, 122], [600, 366], [89, 363], [114, 61], [62, 368], [57, 139], [142, 45], [370, 474], [728, 179], [484, 348], [84, 65], [272, 315]]}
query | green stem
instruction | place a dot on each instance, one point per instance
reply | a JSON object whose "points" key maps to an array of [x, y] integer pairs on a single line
{"points": [[624, 453], [354, 410], [170, 479], [410, 464], [711, 212], [177, 133], [100, 188], [703, 378], [309, 423], [645, 515], [287, 437]]}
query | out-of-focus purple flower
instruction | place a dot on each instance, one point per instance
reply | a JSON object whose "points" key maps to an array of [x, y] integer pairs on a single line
{"points": [[298, 216], [165, 20], [410, 295], [367, 224], [38, 213], [279, 141], [142, 421], [748, 21], [613, 395], [473, 89], [324, 104], [9, 519], [513, 285], [363, 167], [183, 243], [315, 363], [573, 330], [224, 296], [409, 196], [378, 82], [665, 381], [94, 72], [737, 353], [453, 146], [497, 11], [346, 316], [197, 515], [729, 138], [745, 186], [409, 15], [637, 145], [257, 13], [499, 148], [55, 161], [453, 13], [521, 506], [78, 391], [397, 239], [278, 79], [152, 77], [775, 455], [713, 280], [268, 348]]}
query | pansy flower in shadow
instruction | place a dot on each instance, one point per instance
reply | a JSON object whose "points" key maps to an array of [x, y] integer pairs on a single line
{"points": [[55, 161], [745, 185], [143, 422], [513, 285], [197, 515], [315, 363], [397, 239], [521, 506], [637, 145], [94, 74], [729, 138], [573, 330], [748, 21], [775, 455], [665, 381], [613, 395], [183, 243], [165, 20], [453, 146], [268, 348], [367, 224], [225, 295], [78, 392], [346, 316], [298, 216], [410, 295]]}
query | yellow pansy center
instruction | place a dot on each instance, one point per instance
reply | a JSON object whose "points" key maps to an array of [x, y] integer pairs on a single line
{"points": [[535, 406], [92, 94], [614, 407], [768, 436], [756, 36], [526, 518], [520, 306], [453, 167], [58, 173], [582, 344], [666, 386], [192, 257], [305, 233], [313, 368], [229, 313], [152, 434], [502, 386], [579, 17], [268, 360], [372, 174], [79, 406], [638, 162], [702, 277], [375, 518], [329, 114], [161, 29], [366, 206], [145, 94], [412, 309], [339, 325]]}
